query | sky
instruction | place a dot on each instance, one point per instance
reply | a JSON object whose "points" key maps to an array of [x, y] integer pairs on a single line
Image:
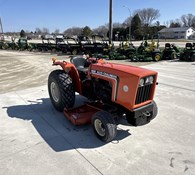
{"points": [[63, 14]]}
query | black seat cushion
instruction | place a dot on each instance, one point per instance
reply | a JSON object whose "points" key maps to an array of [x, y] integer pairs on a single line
{"points": [[80, 63], [167, 45], [189, 46]]}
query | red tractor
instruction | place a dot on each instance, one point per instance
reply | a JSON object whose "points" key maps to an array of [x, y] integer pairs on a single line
{"points": [[113, 91]]}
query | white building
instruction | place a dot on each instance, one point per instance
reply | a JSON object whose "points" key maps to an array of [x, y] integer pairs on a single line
{"points": [[178, 33]]}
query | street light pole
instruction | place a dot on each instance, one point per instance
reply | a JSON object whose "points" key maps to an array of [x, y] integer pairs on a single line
{"points": [[129, 22], [110, 22], [1, 26]]}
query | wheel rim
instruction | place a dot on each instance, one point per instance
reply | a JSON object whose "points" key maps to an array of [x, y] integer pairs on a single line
{"points": [[74, 52], [99, 127], [174, 56], [55, 92], [157, 57]]}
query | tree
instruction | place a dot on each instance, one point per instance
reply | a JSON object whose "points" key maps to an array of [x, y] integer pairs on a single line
{"points": [[148, 15], [119, 32], [136, 27], [45, 31], [188, 20], [117, 25], [57, 31], [157, 23], [87, 31], [175, 23], [73, 31], [101, 30], [38, 31], [22, 33]]}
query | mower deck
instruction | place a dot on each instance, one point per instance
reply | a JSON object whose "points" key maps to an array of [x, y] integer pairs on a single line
{"points": [[82, 114]]}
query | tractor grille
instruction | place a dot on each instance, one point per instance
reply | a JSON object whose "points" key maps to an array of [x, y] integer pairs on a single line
{"points": [[143, 93]]}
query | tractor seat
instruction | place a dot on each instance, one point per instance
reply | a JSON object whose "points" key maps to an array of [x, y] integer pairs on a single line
{"points": [[167, 45], [189, 46], [80, 63]]}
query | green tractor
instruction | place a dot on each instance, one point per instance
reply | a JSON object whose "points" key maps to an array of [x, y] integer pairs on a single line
{"points": [[24, 45], [127, 49], [13, 45], [115, 54], [4, 45], [188, 53], [148, 51], [170, 52]]}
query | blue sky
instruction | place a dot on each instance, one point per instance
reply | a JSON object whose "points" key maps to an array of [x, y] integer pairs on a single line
{"points": [[63, 14]]}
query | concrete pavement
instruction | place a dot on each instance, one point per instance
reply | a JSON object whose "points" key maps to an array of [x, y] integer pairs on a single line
{"points": [[36, 139]]}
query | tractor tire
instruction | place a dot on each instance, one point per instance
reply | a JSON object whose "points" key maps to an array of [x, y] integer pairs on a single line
{"points": [[193, 57], [104, 126], [157, 57], [155, 110], [173, 55], [61, 90]]}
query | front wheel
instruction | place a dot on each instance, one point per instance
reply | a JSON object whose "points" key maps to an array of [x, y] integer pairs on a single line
{"points": [[173, 55], [104, 126], [61, 90], [157, 57], [155, 110]]}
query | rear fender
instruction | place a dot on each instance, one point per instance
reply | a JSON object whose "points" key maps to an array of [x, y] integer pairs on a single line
{"points": [[72, 71]]}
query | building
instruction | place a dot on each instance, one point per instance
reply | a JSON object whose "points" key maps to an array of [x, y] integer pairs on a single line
{"points": [[177, 33]]}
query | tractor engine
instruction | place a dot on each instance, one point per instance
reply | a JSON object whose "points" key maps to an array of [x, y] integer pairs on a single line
{"points": [[97, 89], [102, 90]]}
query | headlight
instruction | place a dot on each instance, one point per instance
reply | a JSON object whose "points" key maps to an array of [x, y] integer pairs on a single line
{"points": [[149, 80], [141, 82]]}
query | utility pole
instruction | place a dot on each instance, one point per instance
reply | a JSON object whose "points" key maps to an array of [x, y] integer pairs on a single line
{"points": [[1, 26], [1, 32], [110, 23]]}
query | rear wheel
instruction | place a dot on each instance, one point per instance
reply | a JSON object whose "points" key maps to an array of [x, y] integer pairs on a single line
{"points": [[193, 57], [104, 126], [61, 90]]}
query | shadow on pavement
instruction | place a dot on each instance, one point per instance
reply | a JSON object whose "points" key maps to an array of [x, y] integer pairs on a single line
{"points": [[55, 129]]}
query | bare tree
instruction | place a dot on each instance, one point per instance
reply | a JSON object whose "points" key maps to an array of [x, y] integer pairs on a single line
{"points": [[157, 23], [45, 30], [188, 20], [101, 30], [73, 31], [117, 25], [193, 22], [175, 23], [57, 31], [148, 15], [38, 31]]}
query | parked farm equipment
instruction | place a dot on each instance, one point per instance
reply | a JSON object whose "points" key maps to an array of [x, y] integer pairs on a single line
{"points": [[148, 51], [114, 91], [170, 52], [95, 46], [188, 54], [126, 49]]}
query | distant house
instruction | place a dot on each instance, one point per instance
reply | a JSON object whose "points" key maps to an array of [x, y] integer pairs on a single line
{"points": [[177, 33]]}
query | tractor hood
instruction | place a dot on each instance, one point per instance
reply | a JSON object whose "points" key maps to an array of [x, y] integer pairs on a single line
{"points": [[125, 83], [114, 69]]}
